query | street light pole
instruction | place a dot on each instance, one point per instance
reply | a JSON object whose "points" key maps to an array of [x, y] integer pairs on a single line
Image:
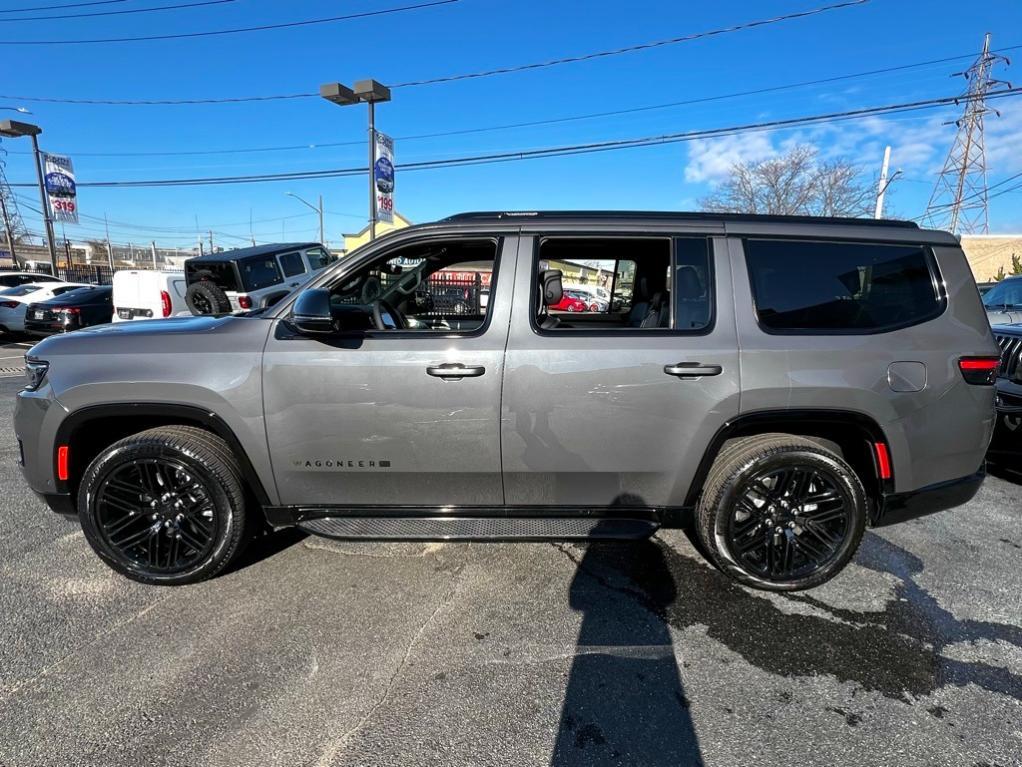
{"points": [[42, 199], [318, 210], [7, 229], [372, 170], [370, 92]]}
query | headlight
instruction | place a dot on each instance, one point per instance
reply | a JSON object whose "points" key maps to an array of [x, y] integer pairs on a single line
{"points": [[35, 372]]}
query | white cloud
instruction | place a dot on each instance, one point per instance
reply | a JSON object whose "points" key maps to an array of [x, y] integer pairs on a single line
{"points": [[710, 160]]}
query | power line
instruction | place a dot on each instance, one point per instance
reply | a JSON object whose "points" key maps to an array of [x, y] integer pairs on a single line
{"points": [[119, 13], [239, 30], [633, 48], [528, 124], [67, 5], [561, 151], [447, 78]]}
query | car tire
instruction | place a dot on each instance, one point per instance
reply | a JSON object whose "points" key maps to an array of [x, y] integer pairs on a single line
{"points": [[780, 512], [165, 506], [206, 297]]}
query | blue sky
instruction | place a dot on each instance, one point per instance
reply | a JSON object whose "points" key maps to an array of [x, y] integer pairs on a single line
{"points": [[472, 35]]}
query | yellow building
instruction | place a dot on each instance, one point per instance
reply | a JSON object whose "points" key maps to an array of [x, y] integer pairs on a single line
{"points": [[353, 241], [987, 253]]}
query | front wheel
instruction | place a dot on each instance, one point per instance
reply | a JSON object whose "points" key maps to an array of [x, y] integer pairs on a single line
{"points": [[164, 506], [781, 513]]}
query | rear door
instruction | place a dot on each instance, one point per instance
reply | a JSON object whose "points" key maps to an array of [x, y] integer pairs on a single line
{"points": [[616, 408]]}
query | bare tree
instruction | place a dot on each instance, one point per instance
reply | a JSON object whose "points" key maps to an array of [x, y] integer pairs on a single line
{"points": [[795, 183]]}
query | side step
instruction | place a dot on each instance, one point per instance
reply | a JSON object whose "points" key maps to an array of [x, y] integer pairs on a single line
{"points": [[479, 528]]}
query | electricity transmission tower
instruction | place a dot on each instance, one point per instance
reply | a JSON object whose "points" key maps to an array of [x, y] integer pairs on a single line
{"points": [[13, 226], [959, 200]]}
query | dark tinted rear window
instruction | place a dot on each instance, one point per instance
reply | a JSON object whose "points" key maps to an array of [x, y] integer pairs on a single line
{"points": [[257, 273], [840, 287]]}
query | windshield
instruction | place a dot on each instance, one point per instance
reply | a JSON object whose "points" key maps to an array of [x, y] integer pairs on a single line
{"points": [[1004, 294]]}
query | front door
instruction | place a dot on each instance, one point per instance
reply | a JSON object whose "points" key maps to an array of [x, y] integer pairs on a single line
{"points": [[397, 413], [613, 404]]}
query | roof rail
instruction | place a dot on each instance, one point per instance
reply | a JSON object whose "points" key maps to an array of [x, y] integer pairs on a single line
{"points": [[661, 215]]}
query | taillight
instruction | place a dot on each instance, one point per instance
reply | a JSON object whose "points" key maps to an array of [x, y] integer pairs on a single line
{"points": [[68, 310], [165, 302], [244, 302], [9, 304], [981, 371]]}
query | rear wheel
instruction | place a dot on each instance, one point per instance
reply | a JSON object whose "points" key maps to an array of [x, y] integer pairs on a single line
{"points": [[164, 506], [781, 512]]}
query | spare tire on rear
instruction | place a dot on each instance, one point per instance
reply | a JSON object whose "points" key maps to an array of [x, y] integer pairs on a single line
{"points": [[204, 297]]}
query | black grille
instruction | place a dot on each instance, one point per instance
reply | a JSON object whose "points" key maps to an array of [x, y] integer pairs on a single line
{"points": [[1011, 352]]}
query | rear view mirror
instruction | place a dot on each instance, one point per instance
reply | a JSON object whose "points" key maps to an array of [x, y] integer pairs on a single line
{"points": [[311, 312]]}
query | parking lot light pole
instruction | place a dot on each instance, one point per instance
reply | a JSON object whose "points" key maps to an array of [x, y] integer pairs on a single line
{"points": [[372, 93], [319, 210], [16, 129]]}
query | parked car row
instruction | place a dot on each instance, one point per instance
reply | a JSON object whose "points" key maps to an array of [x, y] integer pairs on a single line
{"points": [[232, 281]]}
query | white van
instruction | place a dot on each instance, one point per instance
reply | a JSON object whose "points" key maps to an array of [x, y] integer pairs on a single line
{"points": [[144, 294]]}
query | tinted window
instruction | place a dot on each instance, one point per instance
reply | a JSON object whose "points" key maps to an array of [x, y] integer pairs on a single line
{"points": [[840, 287], [1004, 294], [259, 273], [318, 258], [692, 278], [292, 264]]}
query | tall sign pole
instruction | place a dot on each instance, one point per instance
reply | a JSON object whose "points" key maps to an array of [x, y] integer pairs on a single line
{"points": [[43, 200], [372, 170]]}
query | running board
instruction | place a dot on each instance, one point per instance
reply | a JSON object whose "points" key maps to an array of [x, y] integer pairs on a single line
{"points": [[456, 528]]}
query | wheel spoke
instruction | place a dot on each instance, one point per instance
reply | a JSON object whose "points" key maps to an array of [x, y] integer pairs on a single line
{"points": [[816, 554], [124, 523], [190, 540], [133, 539]]}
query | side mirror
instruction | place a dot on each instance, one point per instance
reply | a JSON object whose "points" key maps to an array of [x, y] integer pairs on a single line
{"points": [[311, 312]]}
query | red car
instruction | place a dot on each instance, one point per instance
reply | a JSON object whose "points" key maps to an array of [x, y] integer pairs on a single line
{"points": [[569, 303]]}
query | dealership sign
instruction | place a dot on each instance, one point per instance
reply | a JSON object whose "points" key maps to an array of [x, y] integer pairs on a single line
{"points": [[61, 192], [383, 177]]}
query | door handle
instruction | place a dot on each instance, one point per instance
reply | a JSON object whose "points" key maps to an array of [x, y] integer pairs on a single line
{"points": [[692, 369], [455, 370]]}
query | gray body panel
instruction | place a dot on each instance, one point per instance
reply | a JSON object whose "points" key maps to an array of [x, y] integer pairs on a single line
{"points": [[570, 420], [594, 420]]}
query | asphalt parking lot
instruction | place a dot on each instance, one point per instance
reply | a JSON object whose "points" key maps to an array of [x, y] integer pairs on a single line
{"points": [[317, 653]]}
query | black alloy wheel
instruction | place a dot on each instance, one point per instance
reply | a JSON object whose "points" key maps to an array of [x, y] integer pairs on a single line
{"points": [[165, 506], [781, 512], [790, 522], [155, 513]]}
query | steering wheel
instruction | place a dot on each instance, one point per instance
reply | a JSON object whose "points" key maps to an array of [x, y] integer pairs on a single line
{"points": [[381, 307]]}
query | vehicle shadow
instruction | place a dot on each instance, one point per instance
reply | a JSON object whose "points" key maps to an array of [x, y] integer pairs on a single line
{"points": [[265, 546], [625, 702]]}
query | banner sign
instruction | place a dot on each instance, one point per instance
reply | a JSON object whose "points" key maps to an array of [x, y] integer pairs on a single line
{"points": [[61, 191], [383, 177]]}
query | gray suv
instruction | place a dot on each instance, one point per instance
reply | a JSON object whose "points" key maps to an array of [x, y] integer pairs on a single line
{"points": [[776, 383]]}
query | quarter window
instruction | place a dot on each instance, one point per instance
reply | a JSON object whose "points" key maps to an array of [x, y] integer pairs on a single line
{"points": [[840, 287]]}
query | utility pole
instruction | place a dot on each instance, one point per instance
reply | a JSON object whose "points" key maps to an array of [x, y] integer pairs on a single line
{"points": [[109, 247], [200, 244], [154, 254], [322, 239], [959, 199], [882, 189], [211, 249], [7, 228]]}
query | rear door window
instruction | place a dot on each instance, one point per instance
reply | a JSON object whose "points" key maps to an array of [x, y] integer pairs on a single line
{"points": [[292, 264], [806, 287], [319, 258], [258, 273]]}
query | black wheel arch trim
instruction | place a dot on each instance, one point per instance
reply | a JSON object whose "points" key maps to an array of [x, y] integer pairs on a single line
{"points": [[189, 413], [760, 421]]}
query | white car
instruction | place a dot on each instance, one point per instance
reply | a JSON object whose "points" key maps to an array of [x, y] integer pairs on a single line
{"points": [[12, 279], [15, 300], [143, 294]]}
